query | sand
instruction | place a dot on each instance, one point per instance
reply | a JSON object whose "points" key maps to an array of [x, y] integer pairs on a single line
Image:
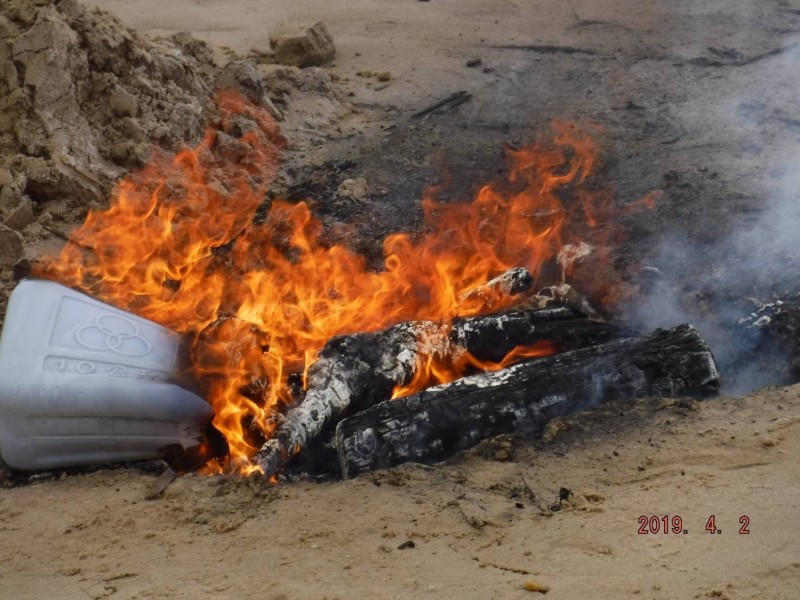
{"points": [[477, 532]]}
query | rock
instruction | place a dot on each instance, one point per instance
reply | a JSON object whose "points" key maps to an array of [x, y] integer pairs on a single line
{"points": [[197, 49], [10, 247], [301, 46], [16, 208], [123, 103], [7, 28], [230, 148], [132, 129], [242, 75], [22, 269], [186, 120], [19, 216], [262, 55], [12, 188], [355, 189]]}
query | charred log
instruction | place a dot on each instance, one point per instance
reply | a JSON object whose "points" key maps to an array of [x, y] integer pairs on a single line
{"points": [[350, 370], [356, 371], [434, 424], [491, 338], [769, 346]]}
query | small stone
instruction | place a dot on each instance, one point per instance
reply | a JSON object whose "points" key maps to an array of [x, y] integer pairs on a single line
{"points": [[230, 148], [10, 247], [355, 189], [20, 216], [246, 77], [123, 103], [474, 62], [535, 586], [384, 76], [7, 29], [119, 151], [595, 497], [300, 46], [21, 269], [502, 455], [261, 54], [133, 129]]}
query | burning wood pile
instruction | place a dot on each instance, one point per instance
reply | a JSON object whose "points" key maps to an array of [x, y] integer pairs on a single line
{"points": [[470, 330], [594, 362]]}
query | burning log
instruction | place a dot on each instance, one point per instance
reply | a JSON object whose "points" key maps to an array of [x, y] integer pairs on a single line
{"points": [[356, 371], [349, 370], [436, 423], [491, 338]]}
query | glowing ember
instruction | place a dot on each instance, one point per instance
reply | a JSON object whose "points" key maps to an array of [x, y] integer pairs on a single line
{"points": [[259, 300]]}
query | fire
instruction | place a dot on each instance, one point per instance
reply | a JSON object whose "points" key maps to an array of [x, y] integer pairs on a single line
{"points": [[438, 369], [257, 295]]}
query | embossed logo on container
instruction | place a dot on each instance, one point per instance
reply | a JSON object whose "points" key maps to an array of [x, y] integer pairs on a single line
{"points": [[91, 329], [114, 333]]}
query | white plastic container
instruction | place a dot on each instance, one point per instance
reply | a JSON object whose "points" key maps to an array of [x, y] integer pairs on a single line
{"points": [[84, 383]]}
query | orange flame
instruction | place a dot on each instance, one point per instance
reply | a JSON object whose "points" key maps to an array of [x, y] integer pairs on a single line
{"points": [[435, 369], [180, 245]]}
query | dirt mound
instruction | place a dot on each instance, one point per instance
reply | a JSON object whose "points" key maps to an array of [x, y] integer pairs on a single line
{"points": [[84, 99]]}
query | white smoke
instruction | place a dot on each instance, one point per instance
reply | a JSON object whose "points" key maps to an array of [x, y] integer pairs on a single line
{"points": [[713, 285]]}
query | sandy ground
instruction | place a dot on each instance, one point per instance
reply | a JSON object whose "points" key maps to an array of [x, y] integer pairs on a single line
{"points": [[478, 534], [485, 522]]}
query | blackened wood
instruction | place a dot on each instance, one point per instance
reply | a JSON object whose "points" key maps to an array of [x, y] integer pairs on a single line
{"points": [[491, 338], [350, 370], [356, 371], [765, 349], [434, 424]]}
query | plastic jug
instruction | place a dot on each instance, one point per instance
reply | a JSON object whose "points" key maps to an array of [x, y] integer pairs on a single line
{"points": [[82, 382]]}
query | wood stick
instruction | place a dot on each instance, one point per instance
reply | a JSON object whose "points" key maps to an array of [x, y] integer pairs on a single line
{"points": [[449, 103]]}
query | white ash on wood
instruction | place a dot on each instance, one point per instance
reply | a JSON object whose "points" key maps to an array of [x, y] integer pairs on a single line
{"points": [[436, 423], [356, 371]]}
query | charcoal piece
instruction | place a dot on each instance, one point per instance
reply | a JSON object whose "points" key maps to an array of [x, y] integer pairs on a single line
{"points": [[768, 345], [436, 423]]}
